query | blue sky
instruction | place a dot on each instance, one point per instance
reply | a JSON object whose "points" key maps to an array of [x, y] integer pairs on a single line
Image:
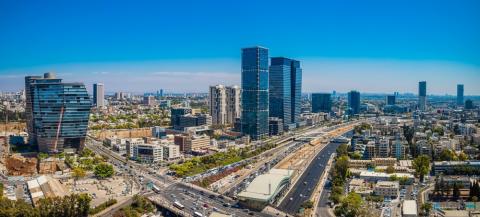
{"points": [[369, 45]]}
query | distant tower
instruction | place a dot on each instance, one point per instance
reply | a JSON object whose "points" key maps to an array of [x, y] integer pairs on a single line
{"points": [[98, 95], [391, 99], [460, 100], [354, 102], [321, 102], [422, 95]]}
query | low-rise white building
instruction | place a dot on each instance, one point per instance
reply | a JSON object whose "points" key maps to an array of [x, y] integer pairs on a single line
{"points": [[387, 189], [171, 152], [148, 153]]}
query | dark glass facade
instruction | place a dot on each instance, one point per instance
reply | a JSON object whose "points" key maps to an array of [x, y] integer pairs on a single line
{"points": [[321, 102], [422, 88], [255, 92], [57, 113], [391, 100], [285, 80], [460, 100], [296, 81], [354, 102], [175, 114]]}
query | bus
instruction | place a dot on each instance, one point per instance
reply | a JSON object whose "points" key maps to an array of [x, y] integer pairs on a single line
{"points": [[197, 214], [156, 189], [178, 205]]}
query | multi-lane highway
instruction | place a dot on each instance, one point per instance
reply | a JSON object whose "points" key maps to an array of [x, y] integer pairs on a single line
{"points": [[303, 188], [190, 196]]}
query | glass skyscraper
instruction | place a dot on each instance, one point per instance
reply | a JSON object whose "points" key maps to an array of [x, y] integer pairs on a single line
{"points": [[57, 113], [391, 99], [285, 80], [422, 95], [460, 100], [254, 118], [354, 102], [321, 102]]}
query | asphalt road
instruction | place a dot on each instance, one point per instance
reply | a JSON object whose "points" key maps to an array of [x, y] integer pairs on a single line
{"points": [[191, 198], [322, 209], [302, 190], [196, 201]]}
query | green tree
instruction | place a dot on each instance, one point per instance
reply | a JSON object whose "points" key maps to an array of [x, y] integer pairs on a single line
{"points": [[390, 170], [78, 173], [307, 204], [342, 150], [448, 155], [462, 156], [104, 170], [356, 155], [421, 164], [427, 207], [350, 205], [42, 155]]}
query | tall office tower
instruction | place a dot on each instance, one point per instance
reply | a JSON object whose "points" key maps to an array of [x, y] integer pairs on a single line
{"points": [[391, 100], [460, 100], [285, 86], [422, 95], [224, 104], [57, 113], [354, 102], [255, 92], [469, 104], [321, 102], [99, 95]]}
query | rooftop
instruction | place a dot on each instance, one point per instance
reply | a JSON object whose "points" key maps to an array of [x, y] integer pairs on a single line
{"points": [[267, 185], [409, 207]]}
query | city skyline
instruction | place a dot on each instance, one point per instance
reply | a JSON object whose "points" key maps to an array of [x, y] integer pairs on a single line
{"points": [[92, 44]]}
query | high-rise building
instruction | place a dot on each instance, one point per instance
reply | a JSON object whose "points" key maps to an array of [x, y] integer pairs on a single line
{"points": [[98, 95], [422, 95], [175, 114], [224, 104], [57, 113], [469, 104], [285, 86], [255, 92], [460, 100], [321, 102], [354, 102], [391, 99]]}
